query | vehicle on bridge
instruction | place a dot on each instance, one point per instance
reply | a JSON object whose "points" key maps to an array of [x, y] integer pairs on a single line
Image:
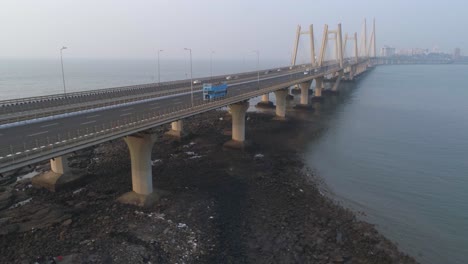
{"points": [[215, 91]]}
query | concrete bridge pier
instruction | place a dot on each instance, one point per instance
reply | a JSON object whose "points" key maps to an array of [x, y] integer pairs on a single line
{"points": [[304, 104], [140, 146], [334, 89], [59, 176], [265, 102], [318, 90], [351, 73], [281, 96], [176, 129], [360, 68], [238, 111]]}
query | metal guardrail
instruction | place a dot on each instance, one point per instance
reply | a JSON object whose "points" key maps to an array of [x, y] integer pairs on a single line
{"points": [[78, 102], [14, 156], [118, 89], [87, 106]]}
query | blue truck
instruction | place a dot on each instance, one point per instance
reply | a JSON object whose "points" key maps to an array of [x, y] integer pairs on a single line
{"points": [[214, 91]]}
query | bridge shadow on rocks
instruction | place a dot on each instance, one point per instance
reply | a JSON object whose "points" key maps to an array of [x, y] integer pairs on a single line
{"points": [[219, 206]]}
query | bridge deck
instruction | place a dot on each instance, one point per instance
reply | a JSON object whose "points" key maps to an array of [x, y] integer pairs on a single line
{"points": [[38, 139]]}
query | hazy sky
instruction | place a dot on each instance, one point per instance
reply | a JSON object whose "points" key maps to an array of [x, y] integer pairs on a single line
{"points": [[232, 28]]}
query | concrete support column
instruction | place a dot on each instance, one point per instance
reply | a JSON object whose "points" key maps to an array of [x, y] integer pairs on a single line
{"points": [[304, 104], [238, 111], [265, 103], [305, 92], [281, 104], [140, 146], [318, 90], [351, 73], [176, 129], [60, 175], [58, 165], [334, 89]]}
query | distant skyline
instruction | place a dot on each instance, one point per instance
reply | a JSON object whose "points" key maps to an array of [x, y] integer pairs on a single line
{"points": [[114, 29]]}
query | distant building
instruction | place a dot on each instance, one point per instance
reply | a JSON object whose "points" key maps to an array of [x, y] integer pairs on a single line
{"points": [[387, 51], [457, 54], [419, 51]]}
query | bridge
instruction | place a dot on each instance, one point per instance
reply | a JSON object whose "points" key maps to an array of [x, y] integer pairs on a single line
{"points": [[50, 127]]}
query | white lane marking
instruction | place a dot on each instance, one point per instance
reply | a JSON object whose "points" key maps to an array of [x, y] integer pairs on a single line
{"points": [[322, 72], [126, 109], [48, 125], [89, 122], [126, 114], [39, 133], [93, 116], [177, 102]]}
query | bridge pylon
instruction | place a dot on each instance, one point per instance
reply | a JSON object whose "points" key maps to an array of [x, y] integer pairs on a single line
{"points": [[312, 44], [337, 37]]}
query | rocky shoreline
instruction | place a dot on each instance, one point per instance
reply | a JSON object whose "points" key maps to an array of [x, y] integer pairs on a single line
{"points": [[260, 205]]}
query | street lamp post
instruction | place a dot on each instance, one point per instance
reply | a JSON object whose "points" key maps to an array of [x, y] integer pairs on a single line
{"points": [[63, 73], [159, 71], [258, 67], [191, 76], [211, 64]]}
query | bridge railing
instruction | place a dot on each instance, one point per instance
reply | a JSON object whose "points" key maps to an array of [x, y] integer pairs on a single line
{"points": [[12, 153], [86, 106], [125, 126], [90, 99], [82, 137], [55, 97]]}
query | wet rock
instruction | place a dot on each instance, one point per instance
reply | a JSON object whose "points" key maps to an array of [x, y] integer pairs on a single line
{"points": [[8, 229], [81, 206], [224, 207], [6, 199], [339, 237], [35, 216], [67, 222], [71, 259], [338, 259], [4, 221], [7, 180]]}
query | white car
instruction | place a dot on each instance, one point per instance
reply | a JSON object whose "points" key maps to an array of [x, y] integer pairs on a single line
{"points": [[196, 82], [306, 72], [229, 78]]}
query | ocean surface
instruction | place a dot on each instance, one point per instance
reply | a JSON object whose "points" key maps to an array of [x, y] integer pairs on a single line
{"points": [[395, 145], [396, 148]]}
